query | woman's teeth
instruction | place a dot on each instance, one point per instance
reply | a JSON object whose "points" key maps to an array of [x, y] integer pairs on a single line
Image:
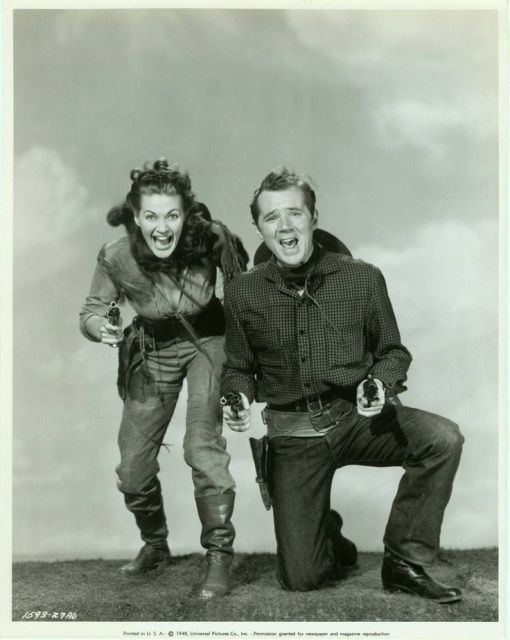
{"points": [[162, 241]]}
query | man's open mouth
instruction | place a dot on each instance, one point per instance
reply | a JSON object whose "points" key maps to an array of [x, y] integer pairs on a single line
{"points": [[289, 243]]}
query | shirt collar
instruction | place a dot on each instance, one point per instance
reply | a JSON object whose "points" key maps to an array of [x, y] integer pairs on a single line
{"points": [[327, 264]]}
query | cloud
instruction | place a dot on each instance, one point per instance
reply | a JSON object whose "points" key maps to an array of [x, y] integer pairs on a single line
{"points": [[418, 124], [364, 40], [446, 277], [51, 208], [417, 69]]}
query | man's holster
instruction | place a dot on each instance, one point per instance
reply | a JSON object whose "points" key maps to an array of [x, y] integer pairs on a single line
{"points": [[260, 450]]}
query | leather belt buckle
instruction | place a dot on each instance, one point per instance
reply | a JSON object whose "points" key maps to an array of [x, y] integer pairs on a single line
{"points": [[321, 419], [311, 402], [330, 415]]}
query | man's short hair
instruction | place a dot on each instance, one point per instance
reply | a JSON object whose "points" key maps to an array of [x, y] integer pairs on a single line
{"points": [[281, 180]]}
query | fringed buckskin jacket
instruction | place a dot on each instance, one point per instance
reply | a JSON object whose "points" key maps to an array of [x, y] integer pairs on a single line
{"points": [[171, 300]]}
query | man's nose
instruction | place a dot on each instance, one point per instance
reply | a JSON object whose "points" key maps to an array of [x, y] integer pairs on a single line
{"points": [[284, 222]]}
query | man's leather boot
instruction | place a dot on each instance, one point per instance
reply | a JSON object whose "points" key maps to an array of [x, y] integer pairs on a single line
{"points": [[149, 558], [345, 552], [147, 507], [399, 575], [217, 537]]}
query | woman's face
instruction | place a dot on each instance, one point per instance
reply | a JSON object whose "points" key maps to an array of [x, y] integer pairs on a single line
{"points": [[161, 218]]}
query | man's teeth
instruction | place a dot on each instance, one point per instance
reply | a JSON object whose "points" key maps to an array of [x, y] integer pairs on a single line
{"points": [[292, 242]]}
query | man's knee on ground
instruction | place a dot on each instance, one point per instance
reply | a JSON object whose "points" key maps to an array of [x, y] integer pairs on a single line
{"points": [[302, 578]]}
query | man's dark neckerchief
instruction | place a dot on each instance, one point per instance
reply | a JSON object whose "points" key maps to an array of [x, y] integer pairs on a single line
{"points": [[304, 278], [296, 278]]}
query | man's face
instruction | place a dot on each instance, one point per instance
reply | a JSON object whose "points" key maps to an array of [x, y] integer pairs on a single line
{"points": [[286, 225], [161, 218]]}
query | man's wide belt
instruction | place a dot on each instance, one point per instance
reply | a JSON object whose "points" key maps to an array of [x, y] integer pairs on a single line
{"points": [[311, 403], [309, 423]]}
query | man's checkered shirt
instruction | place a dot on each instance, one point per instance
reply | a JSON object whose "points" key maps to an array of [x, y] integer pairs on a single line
{"points": [[282, 347]]}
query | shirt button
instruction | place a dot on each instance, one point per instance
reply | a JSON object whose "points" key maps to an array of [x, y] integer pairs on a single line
{"points": [[301, 332], [303, 359]]}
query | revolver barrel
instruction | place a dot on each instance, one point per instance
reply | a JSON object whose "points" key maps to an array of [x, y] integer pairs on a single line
{"points": [[234, 401], [113, 313], [370, 390]]}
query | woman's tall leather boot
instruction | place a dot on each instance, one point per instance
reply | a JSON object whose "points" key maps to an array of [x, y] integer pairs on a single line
{"points": [[147, 507], [217, 537]]}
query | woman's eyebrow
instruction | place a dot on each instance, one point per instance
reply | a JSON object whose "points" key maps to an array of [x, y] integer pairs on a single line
{"points": [[169, 211]]}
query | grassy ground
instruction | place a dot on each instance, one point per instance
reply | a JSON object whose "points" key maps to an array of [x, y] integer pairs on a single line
{"points": [[95, 591]]}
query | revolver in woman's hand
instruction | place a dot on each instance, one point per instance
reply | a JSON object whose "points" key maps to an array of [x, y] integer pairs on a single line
{"points": [[111, 332]]}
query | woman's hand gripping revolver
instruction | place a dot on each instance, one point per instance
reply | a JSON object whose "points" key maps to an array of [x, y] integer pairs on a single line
{"points": [[111, 330]]}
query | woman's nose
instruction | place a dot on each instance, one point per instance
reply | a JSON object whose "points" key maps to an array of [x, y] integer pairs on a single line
{"points": [[163, 225]]}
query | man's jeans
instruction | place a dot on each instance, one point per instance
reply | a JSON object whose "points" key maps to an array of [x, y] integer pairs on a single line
{"points": [[426, 445], [148, 409]]}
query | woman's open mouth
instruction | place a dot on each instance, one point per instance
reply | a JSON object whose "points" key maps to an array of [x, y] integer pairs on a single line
{"points": [[162, 242]]}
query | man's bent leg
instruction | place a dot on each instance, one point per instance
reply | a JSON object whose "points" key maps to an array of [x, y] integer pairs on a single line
{"points": [[301, 471], [434, 446], [429, 448]]}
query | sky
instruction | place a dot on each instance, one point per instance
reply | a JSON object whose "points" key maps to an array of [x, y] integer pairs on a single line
{"points": [[394, 116]]}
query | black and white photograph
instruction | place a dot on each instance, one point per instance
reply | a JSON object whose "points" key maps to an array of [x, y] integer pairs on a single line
{"points": [[253, 368]]}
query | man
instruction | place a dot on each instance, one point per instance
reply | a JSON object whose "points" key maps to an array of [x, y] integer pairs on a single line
{"points": [[313, 335]]}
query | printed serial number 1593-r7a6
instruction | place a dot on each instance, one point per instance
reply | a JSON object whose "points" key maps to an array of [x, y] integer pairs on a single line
{"points": [[49, 615]]}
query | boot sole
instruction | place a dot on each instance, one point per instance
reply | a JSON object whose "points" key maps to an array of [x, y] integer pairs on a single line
{"points": [[201, 596], [159, 568], [394, 588]]}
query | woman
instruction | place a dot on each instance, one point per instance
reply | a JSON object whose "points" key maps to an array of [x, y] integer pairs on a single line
{"points": [[166, 268]]}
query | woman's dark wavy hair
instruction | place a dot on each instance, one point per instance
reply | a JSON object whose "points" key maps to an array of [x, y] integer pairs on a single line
{"points": [[195, 245]]}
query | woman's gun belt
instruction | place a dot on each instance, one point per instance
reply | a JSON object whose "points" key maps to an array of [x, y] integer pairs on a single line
{"points": [[210, 322]]}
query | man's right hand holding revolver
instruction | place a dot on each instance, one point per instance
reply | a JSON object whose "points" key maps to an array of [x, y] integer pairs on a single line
{"points": [[237, 417]]}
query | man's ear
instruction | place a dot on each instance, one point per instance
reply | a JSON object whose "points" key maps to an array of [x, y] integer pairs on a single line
{"points": [[315, 219], [257, 231]]}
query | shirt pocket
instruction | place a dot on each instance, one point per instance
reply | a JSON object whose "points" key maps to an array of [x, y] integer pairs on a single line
{"points": [[263, 331], [345, 331]]}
